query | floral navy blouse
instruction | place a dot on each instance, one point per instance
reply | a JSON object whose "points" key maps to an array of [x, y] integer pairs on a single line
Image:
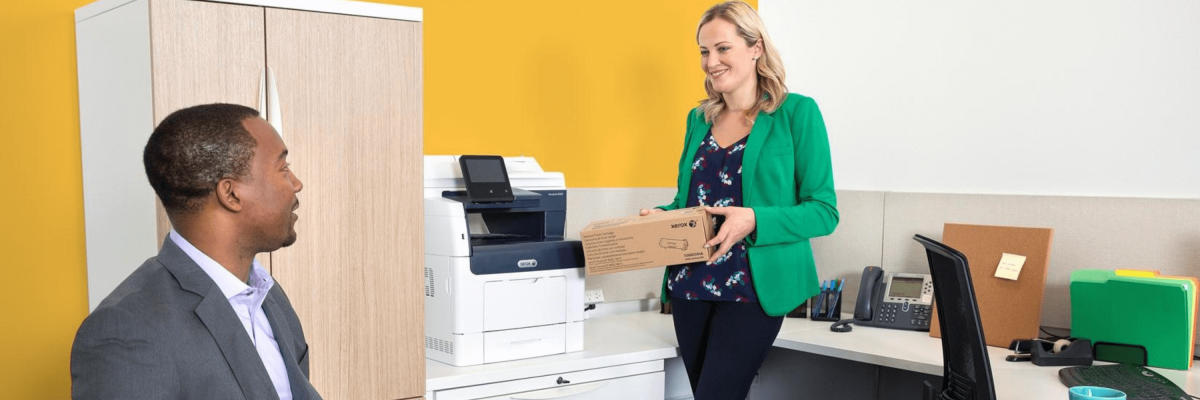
{"points": [[716, 182]]}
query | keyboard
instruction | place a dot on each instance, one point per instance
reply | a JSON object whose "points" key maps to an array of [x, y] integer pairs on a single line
{"points": [[1138, 383]]}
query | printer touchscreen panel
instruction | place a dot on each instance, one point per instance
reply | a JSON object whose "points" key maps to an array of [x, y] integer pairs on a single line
{"points": [[485, 179]]}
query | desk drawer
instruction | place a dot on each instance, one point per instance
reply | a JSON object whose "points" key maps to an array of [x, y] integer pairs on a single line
{"points": [[638, 387], [641, 381]]}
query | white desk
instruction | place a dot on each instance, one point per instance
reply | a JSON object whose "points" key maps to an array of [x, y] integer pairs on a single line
{"points": [[918, 352], [649, 336], [618, 340]]}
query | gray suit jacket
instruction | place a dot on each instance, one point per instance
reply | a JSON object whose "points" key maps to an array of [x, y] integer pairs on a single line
{"points": [[167, 332]]}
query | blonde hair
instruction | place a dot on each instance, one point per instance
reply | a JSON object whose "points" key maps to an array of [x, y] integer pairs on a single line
{"points": [[769, 67]]}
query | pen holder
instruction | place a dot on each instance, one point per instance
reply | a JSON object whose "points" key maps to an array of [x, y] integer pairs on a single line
{"points": [[827, 306]]}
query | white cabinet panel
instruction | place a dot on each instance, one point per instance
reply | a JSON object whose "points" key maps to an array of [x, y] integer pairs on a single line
{"points": [[115, 119]]}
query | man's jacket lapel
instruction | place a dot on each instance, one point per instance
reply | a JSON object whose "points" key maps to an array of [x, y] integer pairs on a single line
{"points": [[287, 347], [222, 322]]}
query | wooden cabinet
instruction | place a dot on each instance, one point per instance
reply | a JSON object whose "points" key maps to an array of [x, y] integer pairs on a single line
{"points": [[342, 82], [350, 95]]}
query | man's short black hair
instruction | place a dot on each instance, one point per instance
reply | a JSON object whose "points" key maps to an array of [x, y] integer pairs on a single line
{"points": [[193, 149]]}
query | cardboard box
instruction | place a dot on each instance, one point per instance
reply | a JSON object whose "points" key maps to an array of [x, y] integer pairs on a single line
{"points": [[656, 240]]}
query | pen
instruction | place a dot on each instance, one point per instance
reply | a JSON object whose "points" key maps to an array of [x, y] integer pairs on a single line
{"points": [[820, 300], [837, 296]]}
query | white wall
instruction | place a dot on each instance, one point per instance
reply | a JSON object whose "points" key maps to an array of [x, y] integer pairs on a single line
{"points": [[1047, 97]]}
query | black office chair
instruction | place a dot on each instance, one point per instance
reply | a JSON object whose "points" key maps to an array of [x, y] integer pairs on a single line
{"points": [[968, 374]]}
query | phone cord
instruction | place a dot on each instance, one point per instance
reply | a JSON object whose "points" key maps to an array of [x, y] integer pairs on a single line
{"points": [[843, 325]]}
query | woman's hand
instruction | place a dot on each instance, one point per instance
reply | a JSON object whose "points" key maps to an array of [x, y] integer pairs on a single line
{"points": [[739, 222], [648, 211]]}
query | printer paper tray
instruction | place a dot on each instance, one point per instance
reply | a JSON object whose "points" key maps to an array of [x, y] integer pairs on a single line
{"points": [[515, 344]]}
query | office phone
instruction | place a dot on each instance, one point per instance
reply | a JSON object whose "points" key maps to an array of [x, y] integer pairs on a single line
{"points": [[895, 301]]}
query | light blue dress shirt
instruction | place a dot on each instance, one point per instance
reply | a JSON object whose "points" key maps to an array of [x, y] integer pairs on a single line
{"points": [[247, 303]]}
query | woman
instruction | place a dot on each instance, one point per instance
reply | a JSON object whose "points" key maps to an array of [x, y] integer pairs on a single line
{"points": [[757, 157]]}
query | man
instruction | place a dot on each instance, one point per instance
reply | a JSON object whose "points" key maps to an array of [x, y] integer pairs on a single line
{"points": [[203, 320]]}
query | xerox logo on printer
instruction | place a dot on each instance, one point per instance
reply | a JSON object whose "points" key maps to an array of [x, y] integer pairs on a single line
{"points": [[689, 224]]}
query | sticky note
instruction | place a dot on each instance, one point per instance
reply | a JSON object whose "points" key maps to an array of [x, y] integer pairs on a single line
{"points": [[1010, 266]]}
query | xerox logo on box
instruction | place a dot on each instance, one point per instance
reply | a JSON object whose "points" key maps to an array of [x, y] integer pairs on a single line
{"points": [[689, 224]]}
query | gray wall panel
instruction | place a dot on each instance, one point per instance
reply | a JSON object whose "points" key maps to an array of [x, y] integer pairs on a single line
{"points": [[1089, 232], [856, 243]]}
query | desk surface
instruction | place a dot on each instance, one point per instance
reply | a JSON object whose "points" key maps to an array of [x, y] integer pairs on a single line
{"points": [[918, 352], [647, 336]]}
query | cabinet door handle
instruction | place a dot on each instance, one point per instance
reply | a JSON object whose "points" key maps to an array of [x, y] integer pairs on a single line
{"points": [[274, 114], [559, 392], [262, 93], [562, 381]]}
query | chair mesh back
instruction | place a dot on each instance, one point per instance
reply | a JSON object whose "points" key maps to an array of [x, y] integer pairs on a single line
{"points": [[968, 374]]}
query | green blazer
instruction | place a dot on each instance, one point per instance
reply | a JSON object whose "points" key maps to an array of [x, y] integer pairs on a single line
{"points": [[787, 179]]}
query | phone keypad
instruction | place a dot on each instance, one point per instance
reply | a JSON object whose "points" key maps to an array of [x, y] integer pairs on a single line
{"points": [[887, 313]]}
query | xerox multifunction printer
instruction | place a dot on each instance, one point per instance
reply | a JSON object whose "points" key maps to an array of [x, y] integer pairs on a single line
{"points": [[501, 283]]}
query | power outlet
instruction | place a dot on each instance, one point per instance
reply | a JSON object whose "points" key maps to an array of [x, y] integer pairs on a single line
{"points": [[593, 296]]}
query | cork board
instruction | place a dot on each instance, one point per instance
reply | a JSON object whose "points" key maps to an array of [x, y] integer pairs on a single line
{"points": [[1007, 309]]}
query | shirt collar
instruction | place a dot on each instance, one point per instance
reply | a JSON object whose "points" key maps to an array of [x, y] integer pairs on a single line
{"points": [[230, 285]]}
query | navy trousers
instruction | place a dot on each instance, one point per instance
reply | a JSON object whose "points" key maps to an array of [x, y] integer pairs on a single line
{"points": [[723, 343]]}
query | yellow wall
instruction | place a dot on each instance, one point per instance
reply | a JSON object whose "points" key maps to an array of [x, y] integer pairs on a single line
{"points": [[595, 89], [575, 84], [43, 281]]}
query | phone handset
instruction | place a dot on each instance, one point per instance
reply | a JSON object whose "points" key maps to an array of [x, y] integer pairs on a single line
{"points": [[867, 287]]}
